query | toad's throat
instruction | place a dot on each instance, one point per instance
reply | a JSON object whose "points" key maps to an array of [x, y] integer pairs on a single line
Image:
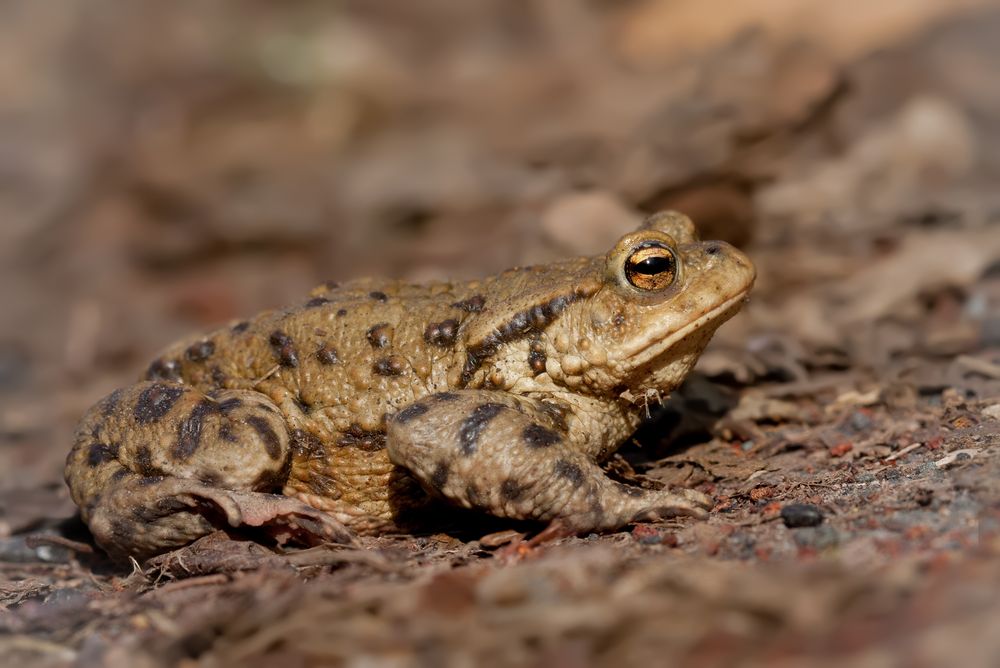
{"points": [[645, 356]]}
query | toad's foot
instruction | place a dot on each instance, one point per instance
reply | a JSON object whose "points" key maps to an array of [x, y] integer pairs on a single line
{"points": [[172, 512], [158, 465], [511, 456]]}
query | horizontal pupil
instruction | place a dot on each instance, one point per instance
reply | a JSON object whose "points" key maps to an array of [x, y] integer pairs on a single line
{"points": [[653, 265]]}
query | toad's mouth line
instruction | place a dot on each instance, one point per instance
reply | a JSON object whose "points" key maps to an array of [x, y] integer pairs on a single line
{"points": [[651, 349]]}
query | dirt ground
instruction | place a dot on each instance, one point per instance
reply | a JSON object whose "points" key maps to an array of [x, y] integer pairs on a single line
{"points": [[167, 166]]}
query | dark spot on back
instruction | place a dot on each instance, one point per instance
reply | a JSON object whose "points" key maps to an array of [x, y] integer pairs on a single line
{"points": [[363, 439], [570, 471], [189, 431], [536, 357], [284, 349], [240, 327], [271, 442], [440, 475], [378, 296], [317, 301], [472, 362], [218, 377], [380, 335], [101, 453], [327, 354], [226, 432], [341, 312], [537, 436], [389, 366], [409, 413], [120, 474], [164, 370], [306, 444], [110, 402], [473, 304], [472, 427], [210, 478], [331, 285], [510, 490], [200, 351], [442, 333], [156, 401]]}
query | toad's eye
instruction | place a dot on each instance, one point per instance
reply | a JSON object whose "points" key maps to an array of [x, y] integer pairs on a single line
{"points": [[651, 266]]}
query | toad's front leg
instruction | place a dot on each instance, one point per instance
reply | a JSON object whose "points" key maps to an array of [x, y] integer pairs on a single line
{"points": [[511, 457]]}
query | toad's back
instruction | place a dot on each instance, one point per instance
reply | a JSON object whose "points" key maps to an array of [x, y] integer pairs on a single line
{"points": [[336, 366], [347, 356], [351, 354]]}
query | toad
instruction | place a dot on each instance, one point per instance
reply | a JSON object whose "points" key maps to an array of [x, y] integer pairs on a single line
{"points": [[368, 402]]}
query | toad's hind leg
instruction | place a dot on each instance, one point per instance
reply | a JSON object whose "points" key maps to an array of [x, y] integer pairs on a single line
{"points": [[158, 465], [511, 457]]}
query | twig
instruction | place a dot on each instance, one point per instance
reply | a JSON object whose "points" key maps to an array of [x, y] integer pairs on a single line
{"points": [[953, 457], [37, 540], [896, 455]]}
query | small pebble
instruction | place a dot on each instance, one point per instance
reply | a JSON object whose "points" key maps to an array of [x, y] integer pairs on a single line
{"points": [[801, 515], [860, 422]]}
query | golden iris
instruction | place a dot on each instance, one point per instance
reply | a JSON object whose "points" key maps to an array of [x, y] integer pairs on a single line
{"points": [[651, 266]]}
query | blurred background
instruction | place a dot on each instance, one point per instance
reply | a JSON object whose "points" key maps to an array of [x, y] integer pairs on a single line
{"points": [[167, 166]]}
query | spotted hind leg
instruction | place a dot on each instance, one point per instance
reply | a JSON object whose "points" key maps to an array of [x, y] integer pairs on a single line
{"points": [[158, 465], [512, 457]]}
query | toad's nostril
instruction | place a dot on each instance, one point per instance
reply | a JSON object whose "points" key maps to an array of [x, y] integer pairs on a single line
{"points": [[713, 249]]}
